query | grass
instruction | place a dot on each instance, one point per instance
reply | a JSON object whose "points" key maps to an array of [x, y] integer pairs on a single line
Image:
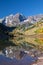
{"points": [[40, 43], [39, 40], [40, 30]]}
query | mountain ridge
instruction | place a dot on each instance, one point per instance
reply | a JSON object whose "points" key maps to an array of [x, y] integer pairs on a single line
{"points": [[19, 19]]}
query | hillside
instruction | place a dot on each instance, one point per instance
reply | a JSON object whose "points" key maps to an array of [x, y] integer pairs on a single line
{"points": [[33, 35], [26, 34], [38, 28], [30, 29]]}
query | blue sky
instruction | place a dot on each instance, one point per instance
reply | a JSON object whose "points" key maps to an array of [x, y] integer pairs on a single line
{"points": [[26, 7]]}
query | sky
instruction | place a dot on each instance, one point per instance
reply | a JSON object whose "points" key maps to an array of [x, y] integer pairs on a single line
{"points": [[26, 7]]}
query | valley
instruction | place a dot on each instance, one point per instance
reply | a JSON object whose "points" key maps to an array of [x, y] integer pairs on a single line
{"points": [[20, 36]]}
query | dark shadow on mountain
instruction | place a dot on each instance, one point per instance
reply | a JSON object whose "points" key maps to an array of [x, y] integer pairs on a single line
{"points": [[6, 28], [22, 18]]}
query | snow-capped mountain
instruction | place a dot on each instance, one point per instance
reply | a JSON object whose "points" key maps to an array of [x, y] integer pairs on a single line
{"points": [[13, 19], [19, 19], [35, 18]]}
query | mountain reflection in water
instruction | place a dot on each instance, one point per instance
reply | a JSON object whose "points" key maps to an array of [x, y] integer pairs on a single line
{"points": [[27, 60], [24, 43]]}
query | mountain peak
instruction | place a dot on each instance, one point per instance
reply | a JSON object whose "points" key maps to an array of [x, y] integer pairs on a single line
{"points": [[13, 19], [21, 17], [18, 14]]}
